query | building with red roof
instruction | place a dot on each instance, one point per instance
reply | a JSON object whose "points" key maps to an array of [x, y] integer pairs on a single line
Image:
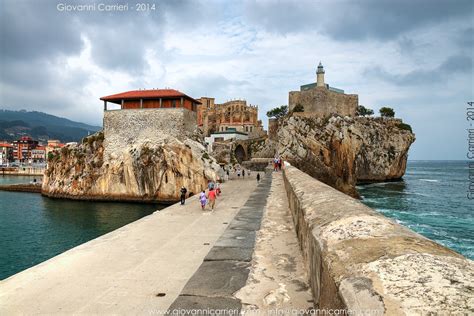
{"points": [[22, 149], [152, 99]]}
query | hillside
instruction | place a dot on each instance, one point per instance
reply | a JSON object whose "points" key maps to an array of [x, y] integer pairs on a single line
{"points": [[42, 126]]}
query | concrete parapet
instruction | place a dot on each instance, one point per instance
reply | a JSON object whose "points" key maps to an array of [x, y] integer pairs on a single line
{"points": [[364, 262]]}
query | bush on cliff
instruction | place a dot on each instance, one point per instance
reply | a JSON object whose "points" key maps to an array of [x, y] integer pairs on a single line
{"points": [[278, 112], [387, 112], [363, 111], [405, 127]]}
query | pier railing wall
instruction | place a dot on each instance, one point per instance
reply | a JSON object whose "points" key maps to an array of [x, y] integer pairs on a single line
{"points": [[359, 260]]}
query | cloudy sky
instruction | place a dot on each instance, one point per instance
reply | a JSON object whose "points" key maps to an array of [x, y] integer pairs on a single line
{"points": [[413, 55]]}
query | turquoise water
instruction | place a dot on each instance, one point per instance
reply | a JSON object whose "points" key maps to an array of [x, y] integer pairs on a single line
{"points": [[35, 228], [430, 200]]}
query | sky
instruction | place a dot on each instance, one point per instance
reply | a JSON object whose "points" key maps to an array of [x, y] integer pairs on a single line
{"points": [[415, 56]]}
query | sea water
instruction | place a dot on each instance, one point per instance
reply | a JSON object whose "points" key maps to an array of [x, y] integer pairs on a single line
{"points": [[431, 200], [34, 228]]}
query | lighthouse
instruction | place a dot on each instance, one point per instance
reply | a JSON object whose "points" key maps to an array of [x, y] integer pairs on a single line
{"points": [[320, 76]]}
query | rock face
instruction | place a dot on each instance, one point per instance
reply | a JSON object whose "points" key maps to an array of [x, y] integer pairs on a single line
{"points": [[341, 151], [134, 159]]}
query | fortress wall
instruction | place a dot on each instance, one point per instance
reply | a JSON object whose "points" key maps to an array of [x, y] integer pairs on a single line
{"points": [[323, 102], [360, 260], [123, 127]]}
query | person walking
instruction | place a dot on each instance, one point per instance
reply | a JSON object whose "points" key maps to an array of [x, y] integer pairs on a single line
{"points": [[210, 185], [218, 188], [227, 175], [212, 198], [258, 177], [238, 173], [183, 195], [203, 199], [243, 173]]}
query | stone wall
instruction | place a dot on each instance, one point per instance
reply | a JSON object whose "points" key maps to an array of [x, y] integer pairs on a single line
{"points": [[323, 102], [360, 260], [124, 127]]}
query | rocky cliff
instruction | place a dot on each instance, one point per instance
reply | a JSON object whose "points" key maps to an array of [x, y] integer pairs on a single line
{"points": [[139, 170], [342, 151]]}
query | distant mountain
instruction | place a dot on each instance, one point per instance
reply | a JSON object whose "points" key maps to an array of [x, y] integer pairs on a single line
{"points": [[42, 126]]}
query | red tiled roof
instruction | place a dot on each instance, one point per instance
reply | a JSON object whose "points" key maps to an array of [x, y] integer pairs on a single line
{"points": [[146, 94], [5, 145]]}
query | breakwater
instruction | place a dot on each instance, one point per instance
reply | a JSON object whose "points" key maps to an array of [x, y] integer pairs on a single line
{"points": [[362, 261], [32, 188]]}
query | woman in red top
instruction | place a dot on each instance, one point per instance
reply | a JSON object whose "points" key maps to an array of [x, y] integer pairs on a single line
{"points": [[212, 198]]}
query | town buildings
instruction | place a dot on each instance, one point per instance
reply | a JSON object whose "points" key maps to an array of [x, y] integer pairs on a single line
{"points": [[23, 149], [232, 115], [322, 100], [6, 154]]}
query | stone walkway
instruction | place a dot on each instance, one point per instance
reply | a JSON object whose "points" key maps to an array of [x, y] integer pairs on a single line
{"points": [[225, 269], [138, 269], [278, 281], [256, 265]]}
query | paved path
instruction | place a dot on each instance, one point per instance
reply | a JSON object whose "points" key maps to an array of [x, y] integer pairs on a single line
{"points": [[278, 281], [255, 266], [225, 269], [128, 270]]}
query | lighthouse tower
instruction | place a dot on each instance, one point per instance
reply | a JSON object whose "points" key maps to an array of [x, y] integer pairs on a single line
{"points": [[320, 76]]}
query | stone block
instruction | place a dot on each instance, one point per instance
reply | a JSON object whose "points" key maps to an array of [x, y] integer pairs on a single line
{"points": [[217, 279]]}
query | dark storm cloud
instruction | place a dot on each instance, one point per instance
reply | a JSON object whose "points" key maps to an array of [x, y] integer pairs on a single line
{"points": [[355, 20], [119, 40], [34, 29], [459, 64]]}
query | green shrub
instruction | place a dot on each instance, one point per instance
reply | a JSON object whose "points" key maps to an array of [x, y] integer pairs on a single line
{"points": [[405, 127], [387, 112]]}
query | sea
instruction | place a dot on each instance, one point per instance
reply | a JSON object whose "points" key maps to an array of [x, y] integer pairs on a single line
{"points": [[431, 200], [34, 228]]}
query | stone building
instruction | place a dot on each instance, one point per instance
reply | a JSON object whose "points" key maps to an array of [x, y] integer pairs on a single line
{"points": [[232, 115], [148, 114], [322, 100]]}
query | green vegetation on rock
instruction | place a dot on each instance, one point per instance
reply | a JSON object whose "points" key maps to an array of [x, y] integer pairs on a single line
{"points": [[387, 112], [363, 111], [278, 112]]}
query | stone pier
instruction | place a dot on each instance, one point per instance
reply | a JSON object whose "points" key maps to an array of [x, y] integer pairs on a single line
{"points": [[140, 268]]}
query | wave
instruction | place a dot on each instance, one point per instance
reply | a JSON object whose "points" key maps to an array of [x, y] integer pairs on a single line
{"points": [[429, 180]]}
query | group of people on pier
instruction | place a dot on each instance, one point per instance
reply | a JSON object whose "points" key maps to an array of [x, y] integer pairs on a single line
{"points": [[214, 188]]}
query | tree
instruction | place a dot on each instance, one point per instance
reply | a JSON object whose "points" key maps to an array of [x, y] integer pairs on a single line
{"points": [[298, 108], [387, 112], [278, 112], [363, 111]]}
